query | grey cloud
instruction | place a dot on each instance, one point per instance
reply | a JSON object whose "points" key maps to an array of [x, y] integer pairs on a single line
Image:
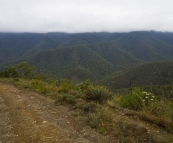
{"points": [[85, 15]]}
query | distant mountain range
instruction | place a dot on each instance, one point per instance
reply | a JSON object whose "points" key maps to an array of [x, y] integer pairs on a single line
{"points": [[97, 56]]}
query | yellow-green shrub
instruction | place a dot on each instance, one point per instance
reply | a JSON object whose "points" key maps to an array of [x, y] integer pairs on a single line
{"points": [[65, 85], [85, 85]]}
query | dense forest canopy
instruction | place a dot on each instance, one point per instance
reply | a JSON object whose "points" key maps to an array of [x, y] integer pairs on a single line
{"points": [[112, 59]]}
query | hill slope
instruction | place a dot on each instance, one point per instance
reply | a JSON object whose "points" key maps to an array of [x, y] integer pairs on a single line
{"points": [[153, 73], [80, 62], [85, 55]]}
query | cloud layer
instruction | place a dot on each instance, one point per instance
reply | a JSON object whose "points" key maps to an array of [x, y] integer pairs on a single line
{"points": [[85, 15]]}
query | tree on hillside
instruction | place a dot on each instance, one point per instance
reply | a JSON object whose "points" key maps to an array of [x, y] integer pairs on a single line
{"points": [[23, 70]]}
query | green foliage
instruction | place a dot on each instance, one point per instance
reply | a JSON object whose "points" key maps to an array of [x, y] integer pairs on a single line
{"points": [[10, 72], [98, 93], [67, 55], [22, 70], [40, 86], [100, 116], [147, 102], [94, 120], [85, 85], [137, 100], [162, 108], [44, 89], [65, 85], [97, 120], [65, 99], [146, 74], [162, 91], [82, 104]]}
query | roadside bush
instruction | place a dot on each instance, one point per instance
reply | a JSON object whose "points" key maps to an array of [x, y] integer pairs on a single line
{"points": [[137, 100], [40, 86], [98, 93], [65, 99], [99, 119]]}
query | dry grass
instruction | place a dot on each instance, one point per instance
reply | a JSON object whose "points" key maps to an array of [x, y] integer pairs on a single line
{"points": [[108, 118], [134, 132], [144, 116]]}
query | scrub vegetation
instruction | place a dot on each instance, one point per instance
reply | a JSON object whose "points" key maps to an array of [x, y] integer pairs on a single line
{"points": [[126, 117]]}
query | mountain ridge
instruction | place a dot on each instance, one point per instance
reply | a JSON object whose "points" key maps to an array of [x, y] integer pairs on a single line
{"points": [[85, 55]]}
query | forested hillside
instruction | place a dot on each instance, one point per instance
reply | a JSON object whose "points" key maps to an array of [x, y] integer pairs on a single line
{"points": [[152, 73], [94, 56]]}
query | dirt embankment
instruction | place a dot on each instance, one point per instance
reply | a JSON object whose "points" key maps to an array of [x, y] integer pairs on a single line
{"points": [[27, 117]]}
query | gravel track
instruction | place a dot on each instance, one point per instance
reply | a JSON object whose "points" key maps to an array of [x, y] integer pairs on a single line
{"points": [[27, 117]]}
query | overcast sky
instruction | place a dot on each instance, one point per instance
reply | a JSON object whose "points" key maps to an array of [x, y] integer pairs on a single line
{"points": [[85, 15]]}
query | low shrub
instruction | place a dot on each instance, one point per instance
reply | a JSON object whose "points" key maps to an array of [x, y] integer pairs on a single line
{"points": [[99, 118], [161, 108], [85, 85], [86, 107], [148, 103], [65, 99], [98, 93], [137, 100], [65, 85], [44, 89]]}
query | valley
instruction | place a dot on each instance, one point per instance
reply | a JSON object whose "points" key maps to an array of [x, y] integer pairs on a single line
{"points": [[94, 56]]}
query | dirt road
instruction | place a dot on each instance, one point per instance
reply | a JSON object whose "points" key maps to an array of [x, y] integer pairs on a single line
{"points": [[27, 117]]}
